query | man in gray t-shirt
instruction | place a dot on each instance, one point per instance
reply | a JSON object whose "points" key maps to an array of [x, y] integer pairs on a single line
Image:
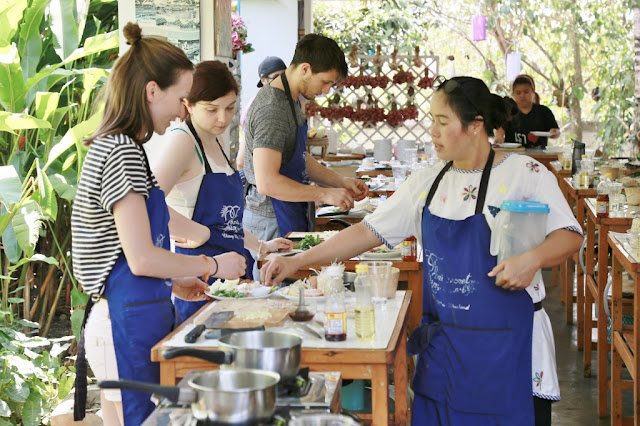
{"points": [[271, 141]]}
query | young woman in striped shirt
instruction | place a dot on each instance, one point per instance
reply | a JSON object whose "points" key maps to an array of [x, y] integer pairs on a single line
{"points": [[120, 236]]}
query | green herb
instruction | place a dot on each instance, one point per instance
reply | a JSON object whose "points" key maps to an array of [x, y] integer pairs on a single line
{"points": [[337, 209], [309, 241], [229, 293]]}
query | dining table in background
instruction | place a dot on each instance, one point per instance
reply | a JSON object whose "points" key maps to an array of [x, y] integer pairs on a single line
{"points": [[625, 339], [576, 198], [593, 291], [375, 361]]}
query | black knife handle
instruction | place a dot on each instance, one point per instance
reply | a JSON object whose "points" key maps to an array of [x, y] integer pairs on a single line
{"points": [[193, 335]]}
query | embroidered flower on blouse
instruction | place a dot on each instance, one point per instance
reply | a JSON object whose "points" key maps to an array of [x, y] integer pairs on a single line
{"points": [[534, 167], [538, 378], [470, 193], [443, 198]]}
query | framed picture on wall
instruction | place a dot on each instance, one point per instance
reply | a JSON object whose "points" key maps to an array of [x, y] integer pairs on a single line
{"points": [[177, 21]]}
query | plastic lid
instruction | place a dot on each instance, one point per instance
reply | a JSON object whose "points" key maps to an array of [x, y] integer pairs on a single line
{"points": [[584, 155], [361, 268], [524, 206]]}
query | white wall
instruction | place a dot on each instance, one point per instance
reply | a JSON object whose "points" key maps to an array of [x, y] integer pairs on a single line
{"points": [[273, 31]]}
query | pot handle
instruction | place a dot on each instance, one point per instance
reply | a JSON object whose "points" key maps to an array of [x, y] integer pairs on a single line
{"points": [[353, 417], [172, 393], [216, 357]]}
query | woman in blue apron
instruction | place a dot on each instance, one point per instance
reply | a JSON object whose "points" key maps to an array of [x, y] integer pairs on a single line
{"points": [[474, 343], [201, 182], [120, 235]]}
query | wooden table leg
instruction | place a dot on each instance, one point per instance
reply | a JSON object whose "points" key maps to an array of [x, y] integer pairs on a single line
{"points": [[580, 290], [587, 333], [568, 291], [400, 380], [602, 346], [564, 266], [168, 374], [380, 394], [616, 360]]}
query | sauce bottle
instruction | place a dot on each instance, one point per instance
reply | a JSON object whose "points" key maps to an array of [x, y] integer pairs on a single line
{"points": [[602, 201], [364, 314], [409, 249], [335, 323]]}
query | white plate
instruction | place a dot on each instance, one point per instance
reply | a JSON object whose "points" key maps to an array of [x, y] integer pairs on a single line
{"points": [[395, 254], [509, 145], [544, 134], [279, 292], [237, 298]]}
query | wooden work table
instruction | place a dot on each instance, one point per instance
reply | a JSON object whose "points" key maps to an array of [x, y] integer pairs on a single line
{"points": [[355, 360]]}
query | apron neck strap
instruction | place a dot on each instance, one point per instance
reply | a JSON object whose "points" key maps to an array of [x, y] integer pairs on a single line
{"points": [[207, 166], [146, 164], [484, 181], [287, 92]]}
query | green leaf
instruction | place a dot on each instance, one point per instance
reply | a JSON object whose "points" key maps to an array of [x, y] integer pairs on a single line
{"points": [[27, 223], [65, 384], [73, 136], [62, 187], [15, 121], [90, 81], [76, 322], [45, 195], [38, 258], [46, 104], [13, 86], [5, 411], [32, 410], [18, 390], [11, 247], [30, 43], [10, 17], [10, 186], [78, 298], [64, 27]]}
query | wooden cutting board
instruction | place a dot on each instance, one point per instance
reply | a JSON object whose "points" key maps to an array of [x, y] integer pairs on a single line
{"points": [[239, 306]]}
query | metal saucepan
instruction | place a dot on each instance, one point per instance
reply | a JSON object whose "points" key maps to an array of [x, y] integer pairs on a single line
{"points": [[261, 350], [229, 396]]}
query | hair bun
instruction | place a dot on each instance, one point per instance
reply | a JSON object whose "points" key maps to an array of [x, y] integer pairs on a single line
{"points": [[132, 33]]}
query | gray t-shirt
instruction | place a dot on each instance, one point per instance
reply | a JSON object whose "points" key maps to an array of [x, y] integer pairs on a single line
{"points": [[269, 124]]}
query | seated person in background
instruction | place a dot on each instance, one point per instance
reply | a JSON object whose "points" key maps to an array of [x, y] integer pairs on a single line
{"points": [[531, 117]]}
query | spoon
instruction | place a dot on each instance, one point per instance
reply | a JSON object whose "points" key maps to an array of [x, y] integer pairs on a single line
{"points": [[301, 313]]}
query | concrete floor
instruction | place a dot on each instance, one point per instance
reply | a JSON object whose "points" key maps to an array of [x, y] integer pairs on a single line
{"points": [[578, 406]]}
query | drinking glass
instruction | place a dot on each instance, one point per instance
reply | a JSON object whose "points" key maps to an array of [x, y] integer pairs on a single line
{"points": [[379, 274]]}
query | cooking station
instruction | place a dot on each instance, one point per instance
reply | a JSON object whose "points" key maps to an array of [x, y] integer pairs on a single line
{"points": [[313, 392]]}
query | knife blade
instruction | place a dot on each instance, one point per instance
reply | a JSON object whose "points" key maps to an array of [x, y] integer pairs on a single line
{"points": [[215, 320], [338, 213]]}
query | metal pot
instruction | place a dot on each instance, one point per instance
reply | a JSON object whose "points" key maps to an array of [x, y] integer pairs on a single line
{"points": [[228, 396], [261, 350], [324, 420]]}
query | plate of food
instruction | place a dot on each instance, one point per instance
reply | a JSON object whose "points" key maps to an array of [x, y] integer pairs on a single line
{"points": [[383, 253], [292, 292], [239, 289], [542, 134], [508, 145]]}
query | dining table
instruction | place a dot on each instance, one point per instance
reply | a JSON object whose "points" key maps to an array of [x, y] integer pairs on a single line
{"points": [[410, 272], [377, 360], [593, 291]]}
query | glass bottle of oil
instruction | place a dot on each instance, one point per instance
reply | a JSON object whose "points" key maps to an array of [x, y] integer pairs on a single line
{"points": [[365, 318]]}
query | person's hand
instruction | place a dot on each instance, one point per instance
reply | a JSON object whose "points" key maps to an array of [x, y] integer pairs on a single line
{"points": [[277, 269], [339, 197], [278, 244], [231, 266], [517, 272], [356, 187], [191, 289], [555, 133]]}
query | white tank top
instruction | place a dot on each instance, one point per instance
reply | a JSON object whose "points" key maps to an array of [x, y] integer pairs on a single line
{"points": [[184, 195]]}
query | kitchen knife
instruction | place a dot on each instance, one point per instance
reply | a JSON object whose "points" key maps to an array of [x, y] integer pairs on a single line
{"points": [[338, 213], [215, 320], [219, 332]]}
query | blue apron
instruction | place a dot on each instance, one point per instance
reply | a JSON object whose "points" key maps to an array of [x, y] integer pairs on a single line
{"points": [[295, 216], [141, 315], [474, 342], [219, 207]]}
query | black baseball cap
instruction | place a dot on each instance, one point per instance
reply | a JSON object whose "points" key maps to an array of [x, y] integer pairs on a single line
{"points": [[269, 65]]}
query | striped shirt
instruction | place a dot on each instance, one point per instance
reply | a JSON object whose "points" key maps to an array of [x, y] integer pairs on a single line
{"points": [[114, 166]]}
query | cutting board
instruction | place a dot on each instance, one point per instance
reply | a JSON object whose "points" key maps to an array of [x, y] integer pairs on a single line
{"points": [[278, 316]]}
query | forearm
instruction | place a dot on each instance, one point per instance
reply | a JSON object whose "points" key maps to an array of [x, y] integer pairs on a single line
{"points": [[346, 244], [323, 175], [556, 248], [251, 242], [282, 188], [186, 229]]}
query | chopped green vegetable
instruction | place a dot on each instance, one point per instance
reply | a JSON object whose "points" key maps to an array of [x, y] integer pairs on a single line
{"points": [[229, 293], [309, 241], [337, 209]]}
